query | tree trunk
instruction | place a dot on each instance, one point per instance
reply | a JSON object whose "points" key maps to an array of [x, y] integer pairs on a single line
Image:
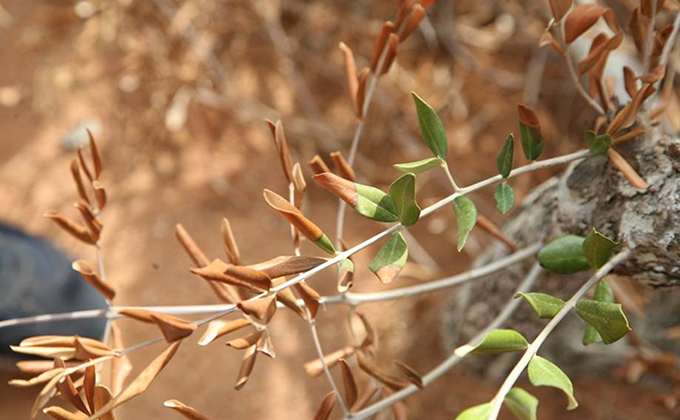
{"points": [[590, 193]]}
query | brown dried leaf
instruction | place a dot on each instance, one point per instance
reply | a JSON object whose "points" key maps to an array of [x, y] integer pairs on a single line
{"points": [[638, 27], [102, 396], [628, 172], [627, 116], [59, 413], [547, 38], [654, 76], [387, 29], [261, 309], [310, 296], [409, 373], [293, 215], [342, 166], [219, 328], [34, 367], [417, 15], [314, 367], [185, 410], [70, 394], [89, 384], [350, 74], [172, 327], [317, 165], [83, 164], [243, 343], [265, 345], [364, 399], [287, 265], [85, 349], [489, 227], [96, 158], [93, 225], [326, 407], [361, 91], [88, 273], [230, 246], [141, 382], [351, 390], [65, 353], [75, 229], [36, 380], [78, 180], [299, 184], [583, 17], [630, 80], [99, 194], [287, 298], [338, 186], [370, 338], [392, 382], [215, 271], [599, 51], [249, 275], [246, 367], [559, 8], [279, 137], [195, 253]]}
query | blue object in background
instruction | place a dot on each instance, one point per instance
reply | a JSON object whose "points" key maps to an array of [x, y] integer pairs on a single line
{"points": [[36, 278]]}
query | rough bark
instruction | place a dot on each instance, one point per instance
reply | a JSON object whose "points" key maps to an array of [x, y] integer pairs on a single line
{"points": [[590, 193]]}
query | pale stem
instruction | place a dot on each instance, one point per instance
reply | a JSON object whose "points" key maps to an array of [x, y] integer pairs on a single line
{"points": [[456, 356], [319, 352], [671, 41], [455, 186], [497, 401], [575, 77]]}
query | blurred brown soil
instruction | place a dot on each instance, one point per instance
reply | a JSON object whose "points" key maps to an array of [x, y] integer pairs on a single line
{"points": [[216, 166]]}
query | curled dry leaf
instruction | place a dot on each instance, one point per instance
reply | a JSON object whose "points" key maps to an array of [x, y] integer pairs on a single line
{"points": [[654, 76], [361, 91], [89, 384], [343, 166], [246, 367], [364, 399], [350, 74], [409, 373], [310, 296], [185, 410], [265, 345], [173, 328], [417, 15], [217, 271], [249, 275], [559, 8], [583, 17], [96, 158], [387, 29], [78, 180], [317, 165], [87, 273], [69, 392], [630, 81], [102, 396], [59, 413], [489, 227], [628, 115], [628, 172], [34, 367], [299, 185], [219, 328], [298, 220], [243, 343], [75, 229], [548, 39], [391, 55], [141, 382], [287, 298], [230, 246], [83, 164], [279, 137], [93, 225], [350, 384], [390, 381], [314, 367], [37, 380], [261, 309], [88, 349], [600, 49], [287, 265], [99, 194], [326, 407]]}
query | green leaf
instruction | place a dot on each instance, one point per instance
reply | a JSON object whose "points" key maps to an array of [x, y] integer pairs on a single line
{"points": [[498, 341], [598, 145], [466, 218], [325, 243], [522, 404], [564, 255], [431, 127], [603, 293], [598, 248], [543, 372], [530, 131], [478, 412], [505, 197], [545, 306], [419, 166], [390, 259], [607, 318], [403, 193], [375, 204], [505, 157]]}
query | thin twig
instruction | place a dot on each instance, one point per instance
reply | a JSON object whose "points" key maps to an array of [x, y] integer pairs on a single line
{"points": [[457, 355], [670, 44], [649, 42], [497, 401]]}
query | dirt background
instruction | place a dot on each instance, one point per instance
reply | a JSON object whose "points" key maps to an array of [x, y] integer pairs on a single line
{"points": [[177, 93]]}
